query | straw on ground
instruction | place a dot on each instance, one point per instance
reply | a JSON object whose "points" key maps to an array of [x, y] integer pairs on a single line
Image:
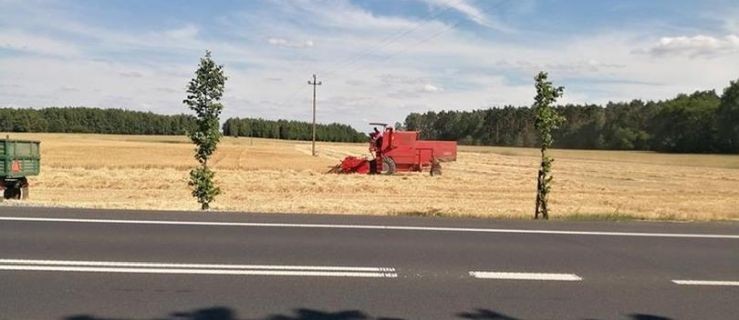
{"points": [[151, 172]]}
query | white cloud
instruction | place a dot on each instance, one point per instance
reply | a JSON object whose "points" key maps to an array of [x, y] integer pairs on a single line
{"points": [[186, 32], [432, 88], [727, 17], [56, 82], [700, 45], [31, 43], [339, 14], [281, 42], [371, 65], [732, 23], [472, 13]]}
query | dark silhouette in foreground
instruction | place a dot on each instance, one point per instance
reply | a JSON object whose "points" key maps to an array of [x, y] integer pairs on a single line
{"points": [[484, 314], [224, 313]]}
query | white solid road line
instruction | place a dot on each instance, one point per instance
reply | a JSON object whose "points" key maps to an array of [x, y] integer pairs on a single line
{"points": [[706, 283], [525, 276], [187, 265], [377, 227], [189, 268], [201, 271]]}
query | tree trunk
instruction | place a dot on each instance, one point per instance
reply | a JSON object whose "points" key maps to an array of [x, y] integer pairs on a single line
{"points": [[539, 199], [541, 194]]}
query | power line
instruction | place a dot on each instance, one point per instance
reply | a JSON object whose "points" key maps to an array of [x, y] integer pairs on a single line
{"points": [[422, 41], [407, 48], [387, 41]]}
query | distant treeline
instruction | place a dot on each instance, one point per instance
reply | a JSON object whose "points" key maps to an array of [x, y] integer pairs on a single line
{"points": [[702, 122], [119, 121], [92, 120], [291, 130]]}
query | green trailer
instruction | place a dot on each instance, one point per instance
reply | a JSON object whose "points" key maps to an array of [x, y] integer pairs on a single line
{"points": [[18, 160]]}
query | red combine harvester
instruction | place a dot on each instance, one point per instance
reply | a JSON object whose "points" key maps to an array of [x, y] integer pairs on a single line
{"points": [[400, 151]]}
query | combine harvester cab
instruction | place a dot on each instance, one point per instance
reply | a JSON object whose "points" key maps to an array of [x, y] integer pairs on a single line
{"points": [[400, 151]]}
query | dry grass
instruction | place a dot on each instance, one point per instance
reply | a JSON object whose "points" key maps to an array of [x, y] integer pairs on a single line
{"points": [[150, 172]]}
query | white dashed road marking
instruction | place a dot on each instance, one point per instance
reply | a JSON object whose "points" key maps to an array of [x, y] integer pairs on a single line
{"points": [[525, 276], [706, 283]]}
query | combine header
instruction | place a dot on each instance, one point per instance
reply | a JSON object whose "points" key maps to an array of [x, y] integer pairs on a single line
{"points": [[400, 151]]}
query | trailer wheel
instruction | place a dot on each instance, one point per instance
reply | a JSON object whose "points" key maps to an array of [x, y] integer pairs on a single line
{"points": [[12, 192], [22, 186], [8, 189], [388, 165], [15, 189], [23, 193]]}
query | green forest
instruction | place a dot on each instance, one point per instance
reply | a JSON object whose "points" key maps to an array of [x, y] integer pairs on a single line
{"points": [[120, 121], [92, 120], [702, 122], [291, 130]]}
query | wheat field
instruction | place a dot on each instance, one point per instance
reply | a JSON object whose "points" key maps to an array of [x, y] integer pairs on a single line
{"points": [[260, 175]]}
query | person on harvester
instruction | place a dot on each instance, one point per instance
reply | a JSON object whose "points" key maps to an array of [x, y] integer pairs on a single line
{"points": [[375, 147], [373, 135], [378, 138]]}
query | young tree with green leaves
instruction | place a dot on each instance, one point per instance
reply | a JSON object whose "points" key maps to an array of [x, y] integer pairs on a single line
{"points": [[204, 93], [546, 119]]}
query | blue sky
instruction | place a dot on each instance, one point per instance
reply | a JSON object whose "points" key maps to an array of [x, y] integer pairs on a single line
{"points": [[378, 60]]}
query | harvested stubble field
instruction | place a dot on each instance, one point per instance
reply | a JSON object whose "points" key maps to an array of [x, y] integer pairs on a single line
{"points": [[150, 172]]}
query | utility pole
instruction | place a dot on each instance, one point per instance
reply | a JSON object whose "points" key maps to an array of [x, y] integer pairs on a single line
{"points": [[314, 84]]}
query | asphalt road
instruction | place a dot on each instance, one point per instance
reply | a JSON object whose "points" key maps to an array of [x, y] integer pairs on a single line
{"points": [[93, 264]]}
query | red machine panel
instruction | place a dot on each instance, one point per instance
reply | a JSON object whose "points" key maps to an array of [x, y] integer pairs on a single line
{"points": [[443, 150]]}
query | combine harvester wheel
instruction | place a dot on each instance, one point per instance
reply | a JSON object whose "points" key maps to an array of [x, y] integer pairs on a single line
{"points": [[388, 165], [435, 168]]}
